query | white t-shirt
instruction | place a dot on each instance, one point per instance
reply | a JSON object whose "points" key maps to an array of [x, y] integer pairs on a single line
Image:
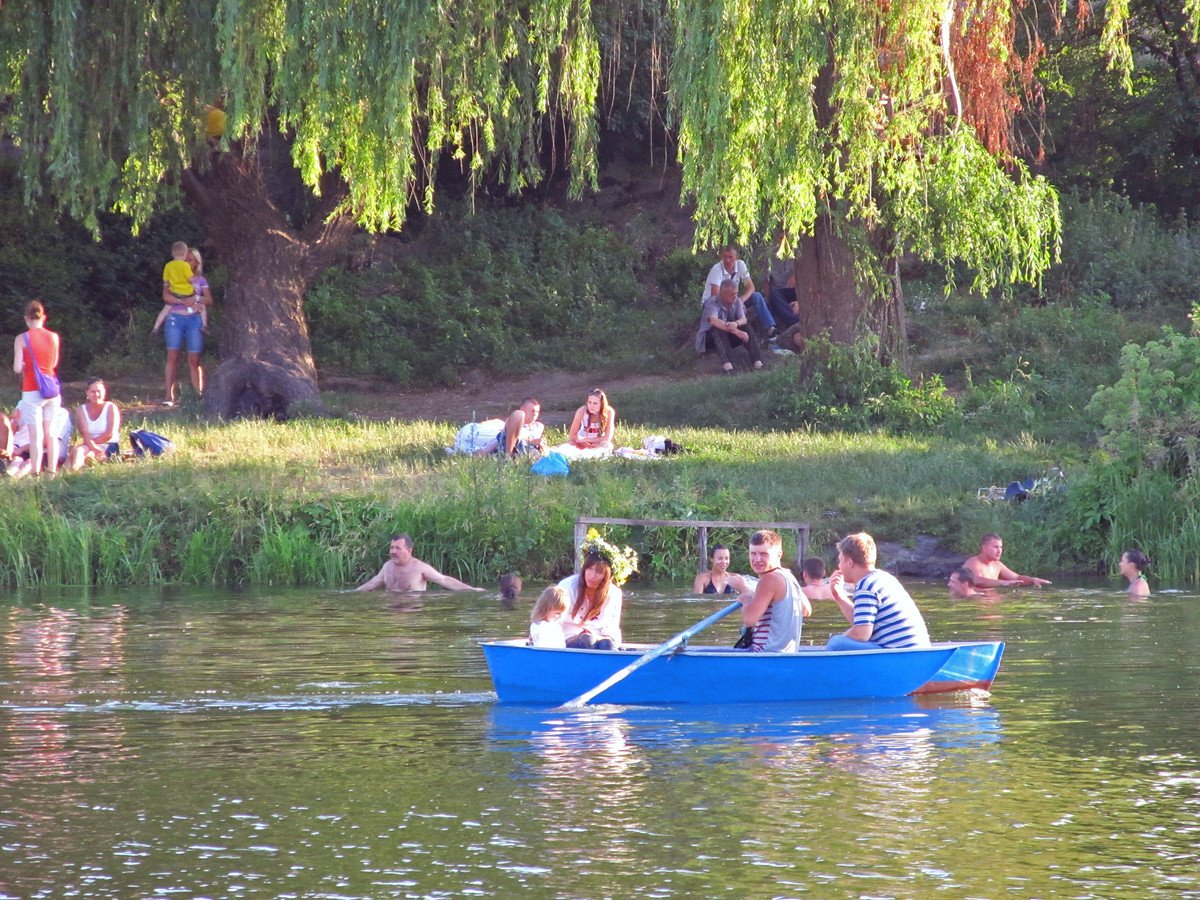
{"points": [[62, 424], [547, 634], [717, 274], [605, 625]]}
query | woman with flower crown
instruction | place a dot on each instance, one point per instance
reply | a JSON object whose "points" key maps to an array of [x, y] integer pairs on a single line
{"points": [[593, 619]]}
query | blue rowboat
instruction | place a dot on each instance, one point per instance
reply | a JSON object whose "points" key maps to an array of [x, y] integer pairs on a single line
{"points": [[539, 675]]}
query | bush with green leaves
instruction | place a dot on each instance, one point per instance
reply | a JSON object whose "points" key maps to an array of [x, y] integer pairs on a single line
{"points": [[846, 387], [1150, 418], [1126, 252], [505, 288]]}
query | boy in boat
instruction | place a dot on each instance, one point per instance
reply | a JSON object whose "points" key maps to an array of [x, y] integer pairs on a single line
{"points": [[990, 572], [776, 609], [882, 614], [403, 572]]}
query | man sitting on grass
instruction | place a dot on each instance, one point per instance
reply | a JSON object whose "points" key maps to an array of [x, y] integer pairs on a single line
{"points": [[522, 432], [723, 327]]}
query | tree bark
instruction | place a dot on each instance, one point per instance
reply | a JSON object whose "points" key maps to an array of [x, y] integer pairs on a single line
{"points": [[266, 366], [830, 298]]}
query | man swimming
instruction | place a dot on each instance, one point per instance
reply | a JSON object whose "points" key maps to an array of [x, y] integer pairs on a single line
{"points": [[403, 572]]}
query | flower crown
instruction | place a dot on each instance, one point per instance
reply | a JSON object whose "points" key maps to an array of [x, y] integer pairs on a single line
{"points": [[623, 562]]}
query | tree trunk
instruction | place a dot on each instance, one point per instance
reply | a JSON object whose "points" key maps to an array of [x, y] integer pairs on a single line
{"points": [[831, 300], [266, 366]]}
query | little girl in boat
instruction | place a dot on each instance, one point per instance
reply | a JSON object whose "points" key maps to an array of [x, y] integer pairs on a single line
{"points": [[545, 624]]}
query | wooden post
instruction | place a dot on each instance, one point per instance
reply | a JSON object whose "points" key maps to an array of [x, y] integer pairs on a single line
{"points": [[702, 549], [580, 534]]}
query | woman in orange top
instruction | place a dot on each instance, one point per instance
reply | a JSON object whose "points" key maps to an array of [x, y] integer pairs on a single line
{"points": [[37, 412]]}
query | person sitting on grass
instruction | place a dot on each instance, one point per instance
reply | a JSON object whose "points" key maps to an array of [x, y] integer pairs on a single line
{"points": [[730, 268], [594, 424], [522, 432], [98, 422], [56, 438], [545, 623], [718, 579], [723, 328], [1133, 566]]}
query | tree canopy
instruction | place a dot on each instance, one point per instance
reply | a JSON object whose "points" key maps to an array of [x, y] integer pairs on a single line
{"points": [[891, 116], [109, 96]]}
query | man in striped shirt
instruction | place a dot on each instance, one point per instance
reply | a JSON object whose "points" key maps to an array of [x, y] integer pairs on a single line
{"points": [[882, 614]]}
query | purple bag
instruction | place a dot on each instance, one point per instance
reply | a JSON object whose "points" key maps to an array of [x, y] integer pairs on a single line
{"points": [[48, 385]]}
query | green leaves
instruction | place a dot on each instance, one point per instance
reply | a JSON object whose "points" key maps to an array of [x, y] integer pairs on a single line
{"points": [[109, 97]]}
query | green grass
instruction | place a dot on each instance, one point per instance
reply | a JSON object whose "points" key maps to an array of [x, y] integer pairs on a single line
{"points": [[313, 501]]}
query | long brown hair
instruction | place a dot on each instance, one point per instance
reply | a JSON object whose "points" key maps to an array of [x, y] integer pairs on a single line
{"points": [[605, 409], [591, 604]]}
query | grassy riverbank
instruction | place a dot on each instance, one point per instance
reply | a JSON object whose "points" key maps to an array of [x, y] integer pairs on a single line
{"points": [[313, 501]]}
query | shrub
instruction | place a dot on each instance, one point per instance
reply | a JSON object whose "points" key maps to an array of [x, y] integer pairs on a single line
{"points": [[847, 388], [505, 289], [1151, 416], [1113, 247]]}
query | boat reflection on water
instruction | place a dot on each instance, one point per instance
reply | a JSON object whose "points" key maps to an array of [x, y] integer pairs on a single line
{"points": [[900, 726]]}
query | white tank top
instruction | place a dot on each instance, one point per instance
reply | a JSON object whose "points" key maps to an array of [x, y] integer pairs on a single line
{"points": [[97, 427]]}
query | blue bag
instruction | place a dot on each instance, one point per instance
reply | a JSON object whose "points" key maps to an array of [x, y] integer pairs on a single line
{"points": [[148, 442], [550, 465]]}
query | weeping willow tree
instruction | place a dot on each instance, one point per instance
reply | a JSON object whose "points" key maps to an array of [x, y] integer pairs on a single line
{"points": [[857, 130], [132, 104]]}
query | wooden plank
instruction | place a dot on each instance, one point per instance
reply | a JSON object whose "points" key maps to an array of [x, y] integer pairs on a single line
{"points": [[692, 523]]}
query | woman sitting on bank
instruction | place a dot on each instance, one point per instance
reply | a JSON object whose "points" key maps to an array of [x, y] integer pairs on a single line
{"points": [[718, 579], [593, 618], [98, 422], [594, 424]]}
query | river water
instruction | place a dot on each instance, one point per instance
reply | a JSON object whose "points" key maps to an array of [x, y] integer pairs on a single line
{"points": [[303, 743]]}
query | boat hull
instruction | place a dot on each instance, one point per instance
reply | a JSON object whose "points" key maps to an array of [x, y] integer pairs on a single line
{"points": [[537, 675]]}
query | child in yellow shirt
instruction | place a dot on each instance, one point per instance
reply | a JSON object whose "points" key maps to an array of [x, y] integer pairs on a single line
{"points": [[177, 286]]}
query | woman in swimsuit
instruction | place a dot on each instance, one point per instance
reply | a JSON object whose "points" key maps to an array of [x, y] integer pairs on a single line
{"points": [[1133, 565], [718, 579], [594, 423]]}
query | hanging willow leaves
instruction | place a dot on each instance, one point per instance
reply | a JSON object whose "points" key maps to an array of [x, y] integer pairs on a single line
{"points": [[785, 110]]}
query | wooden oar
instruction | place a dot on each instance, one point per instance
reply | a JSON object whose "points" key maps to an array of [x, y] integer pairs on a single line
{"points": [[649, 655]]}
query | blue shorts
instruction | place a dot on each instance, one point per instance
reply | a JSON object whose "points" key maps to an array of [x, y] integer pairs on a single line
{"points": [[180, 327]]}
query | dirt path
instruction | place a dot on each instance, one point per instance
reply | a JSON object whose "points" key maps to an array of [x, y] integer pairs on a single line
{"points": [[479, 395], [482, 396]]}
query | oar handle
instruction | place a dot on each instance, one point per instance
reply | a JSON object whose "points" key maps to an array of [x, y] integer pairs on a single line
{"points": [[650, 655]]}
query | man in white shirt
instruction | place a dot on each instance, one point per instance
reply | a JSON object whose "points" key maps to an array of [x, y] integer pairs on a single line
{"points": [[730, 268], [522, 431]]}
